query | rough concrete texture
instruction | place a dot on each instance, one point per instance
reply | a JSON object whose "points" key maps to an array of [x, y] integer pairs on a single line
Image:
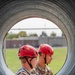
{"points": [[61, 12]]}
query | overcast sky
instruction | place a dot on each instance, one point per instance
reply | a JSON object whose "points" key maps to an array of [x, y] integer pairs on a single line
{"points": [[36, 23]]}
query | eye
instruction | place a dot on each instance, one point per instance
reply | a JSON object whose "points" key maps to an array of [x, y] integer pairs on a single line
{"points": [[36, 58], [50, 55]]}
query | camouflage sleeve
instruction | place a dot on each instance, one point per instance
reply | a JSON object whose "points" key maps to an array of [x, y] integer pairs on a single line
{"points": [[50, 71], [21, 73], [33, 71]]}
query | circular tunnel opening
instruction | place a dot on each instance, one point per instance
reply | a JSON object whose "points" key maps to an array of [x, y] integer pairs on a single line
{"points": [[35, 31], [14, 12]]}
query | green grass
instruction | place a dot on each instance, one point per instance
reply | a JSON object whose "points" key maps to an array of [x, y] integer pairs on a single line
{"points": [[58, 59], [12, 59]]}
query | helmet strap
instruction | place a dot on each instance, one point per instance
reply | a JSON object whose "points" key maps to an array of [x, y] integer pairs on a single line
{"points": [[29, 62], [45, 59]]}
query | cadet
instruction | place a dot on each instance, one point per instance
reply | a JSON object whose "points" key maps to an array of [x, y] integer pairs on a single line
{"points": [[45, 57], [28, 56]]}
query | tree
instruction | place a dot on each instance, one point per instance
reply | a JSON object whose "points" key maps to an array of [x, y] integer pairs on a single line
{"points": [[53, 34], [43, 34], [22, 34], [33, 35], [62, 35], [11, 36]]}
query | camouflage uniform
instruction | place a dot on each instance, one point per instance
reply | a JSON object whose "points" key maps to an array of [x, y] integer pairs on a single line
{"points": [[33, 71], [23, 71], [43, 71]]}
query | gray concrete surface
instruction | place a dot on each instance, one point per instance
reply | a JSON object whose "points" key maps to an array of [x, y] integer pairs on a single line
{"points": [[61, 12]]}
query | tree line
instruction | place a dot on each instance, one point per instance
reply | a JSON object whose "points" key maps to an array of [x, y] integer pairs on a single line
{"points": [[24, 34]]}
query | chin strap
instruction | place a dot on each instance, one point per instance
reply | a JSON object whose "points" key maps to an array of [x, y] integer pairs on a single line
{"points": [[29, 62], [45, 59]]}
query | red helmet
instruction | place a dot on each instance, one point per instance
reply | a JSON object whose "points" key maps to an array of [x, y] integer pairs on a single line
{"points": [[46, 49], [27, 51]]}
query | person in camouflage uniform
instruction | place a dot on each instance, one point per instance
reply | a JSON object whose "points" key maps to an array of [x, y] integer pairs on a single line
{"points": [[27, 54], [45, 52]]}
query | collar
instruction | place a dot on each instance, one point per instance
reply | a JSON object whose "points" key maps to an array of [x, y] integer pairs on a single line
{"points": [[40, 68], [26, 71]]}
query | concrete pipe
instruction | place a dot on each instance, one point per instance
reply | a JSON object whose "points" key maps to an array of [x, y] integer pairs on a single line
{"points": [[60, 12]]}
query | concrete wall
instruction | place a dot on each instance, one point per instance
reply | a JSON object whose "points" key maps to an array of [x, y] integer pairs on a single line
{"points": [[36, 41], [53, 41]]}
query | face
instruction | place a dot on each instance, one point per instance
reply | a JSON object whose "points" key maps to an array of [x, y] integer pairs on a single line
{"points": [[48, 58], [33, 62]]}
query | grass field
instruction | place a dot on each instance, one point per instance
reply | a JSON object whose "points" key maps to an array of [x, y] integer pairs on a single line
{"points": [[56, 64]]}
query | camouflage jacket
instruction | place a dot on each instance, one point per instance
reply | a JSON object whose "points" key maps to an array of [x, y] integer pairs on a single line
{"points": [[23, 71], [43, 71]]}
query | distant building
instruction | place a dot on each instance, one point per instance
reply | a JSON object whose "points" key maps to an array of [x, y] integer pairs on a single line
{"points": [[36, 41]]}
